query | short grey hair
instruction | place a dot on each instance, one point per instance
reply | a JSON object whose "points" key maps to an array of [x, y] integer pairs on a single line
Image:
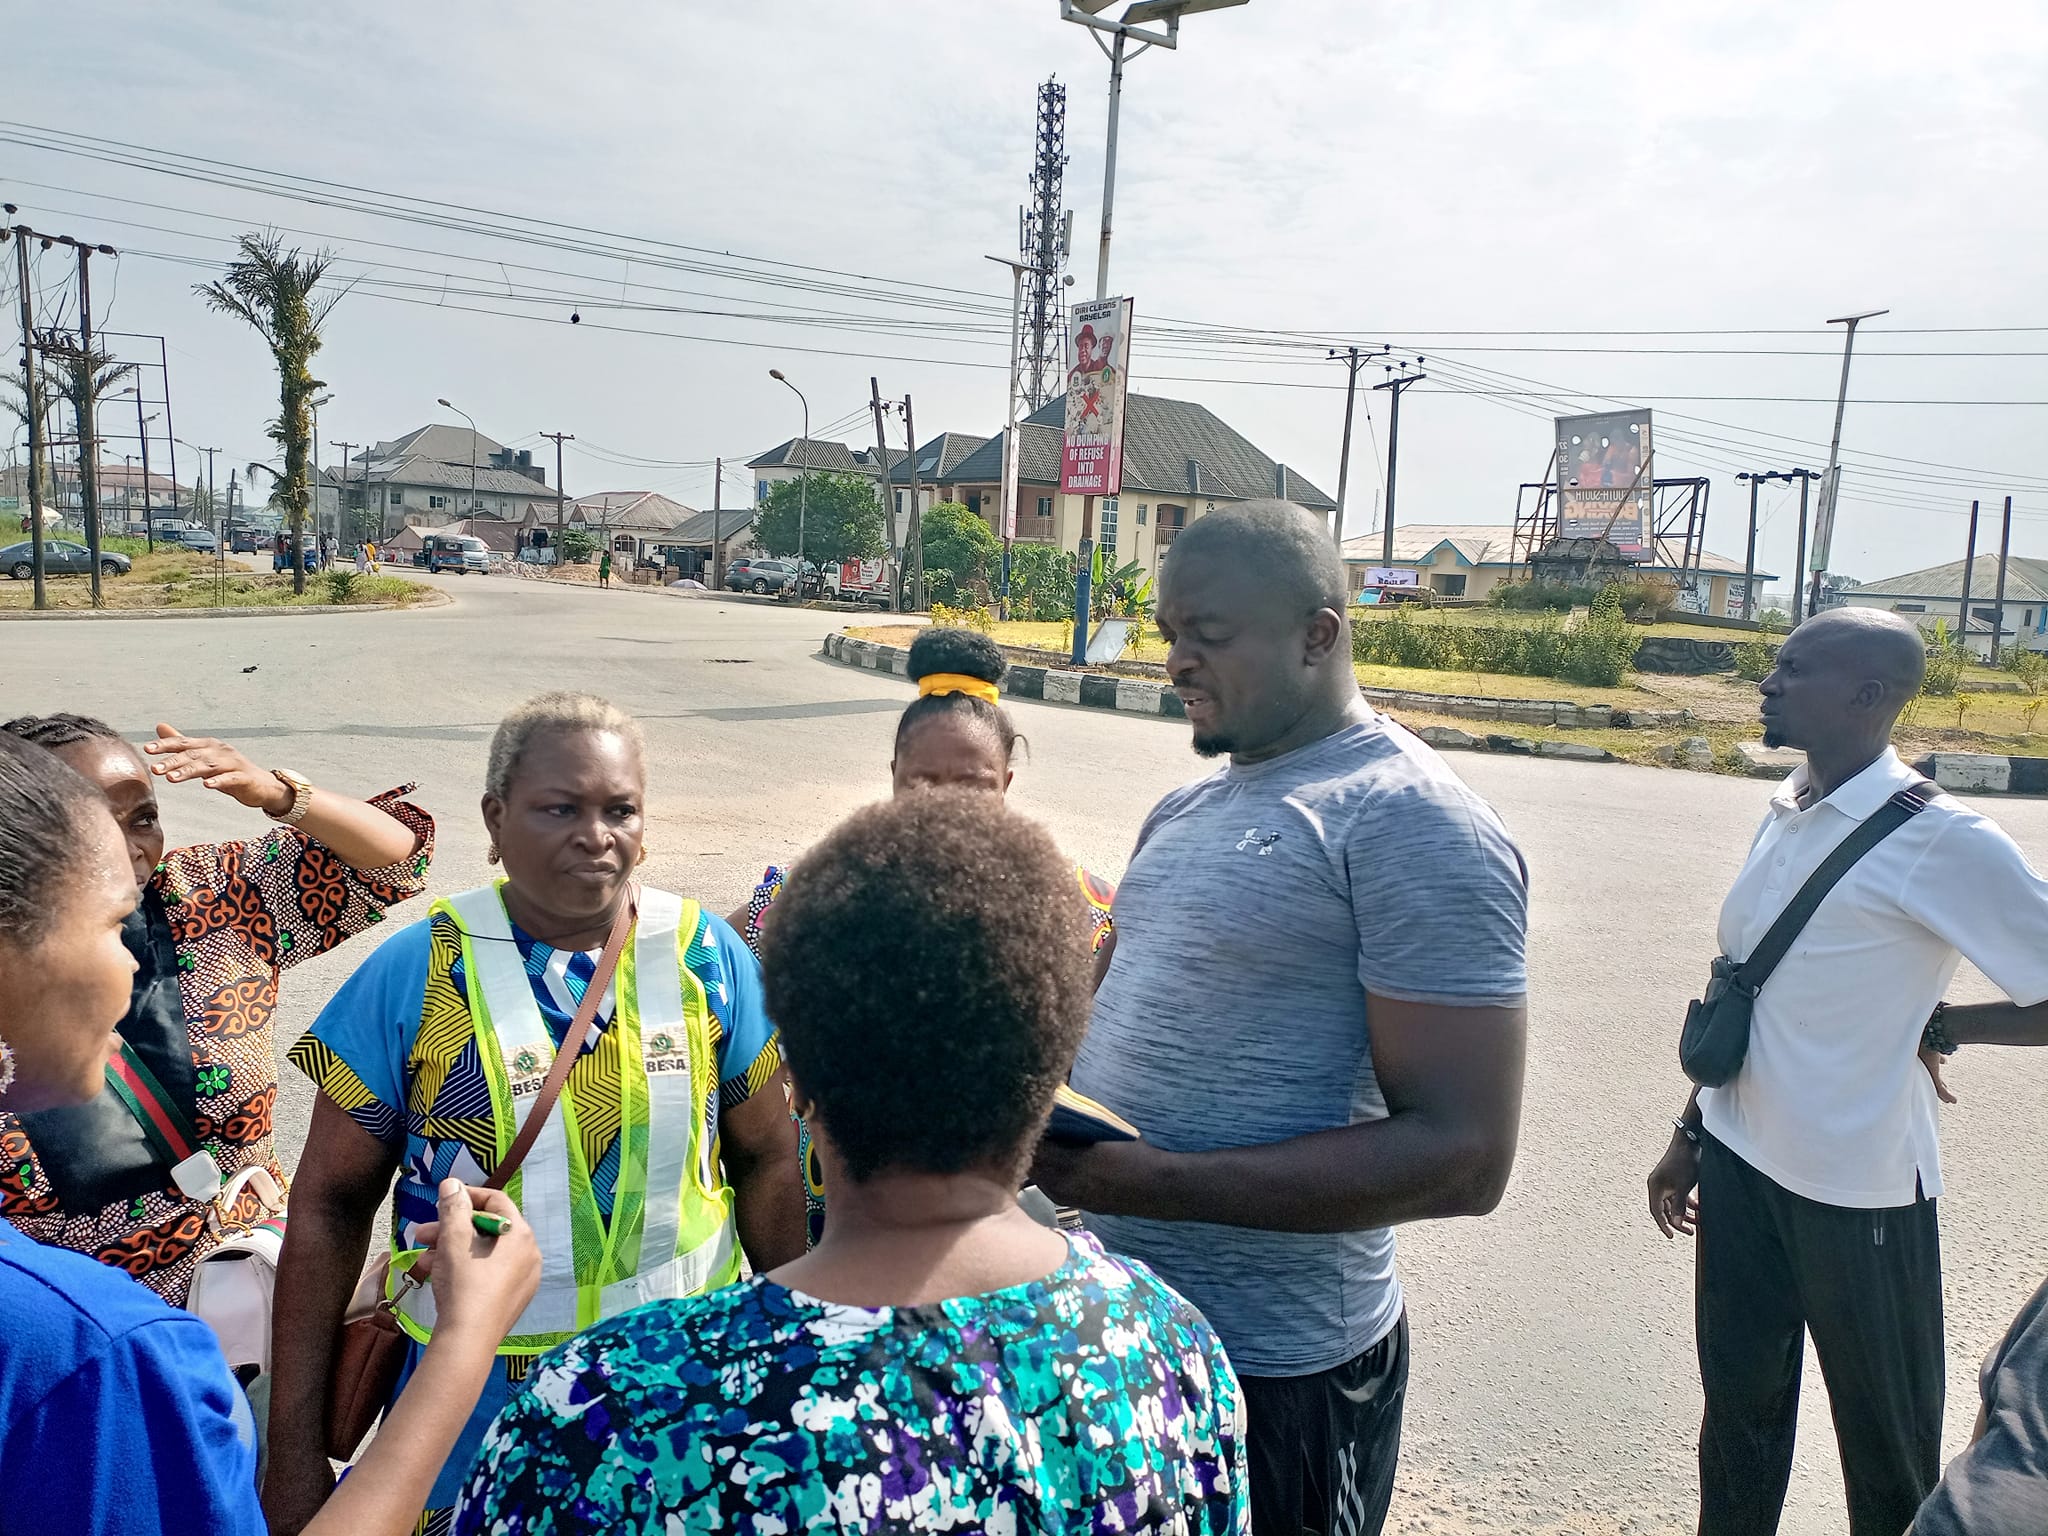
{"points": [[547, 715]]}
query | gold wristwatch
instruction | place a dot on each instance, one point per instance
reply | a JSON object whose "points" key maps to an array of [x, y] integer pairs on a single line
{"points": [[302, 796]]}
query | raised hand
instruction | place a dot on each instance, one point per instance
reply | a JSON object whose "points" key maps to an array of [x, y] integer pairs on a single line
{"points": [[178, 759]]}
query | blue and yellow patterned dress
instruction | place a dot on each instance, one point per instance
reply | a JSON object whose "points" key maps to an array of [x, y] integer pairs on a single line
{"points": [[1093, 1400]]}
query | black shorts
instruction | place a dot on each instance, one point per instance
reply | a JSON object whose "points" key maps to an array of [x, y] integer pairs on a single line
{"points": [[1322, 1448]]}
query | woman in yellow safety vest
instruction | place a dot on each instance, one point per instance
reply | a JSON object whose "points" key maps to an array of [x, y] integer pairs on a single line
{"points": [[672, 1138]]}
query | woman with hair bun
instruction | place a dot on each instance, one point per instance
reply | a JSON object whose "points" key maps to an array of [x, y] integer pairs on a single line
{"points": [[954, 735]]}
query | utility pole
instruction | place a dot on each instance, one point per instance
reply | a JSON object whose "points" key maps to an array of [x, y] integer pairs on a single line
{"points": [[1397, 385], [142, 431], [1831, 487], [1008, 510], [916, 519], [88, 422], [717, 505], [32, 400], [561, 495], [1749, 559], [226, 537], [1998, 606], [1969, 570], [1351, 359], [896, 551], [345, 447], [1805, 480]]}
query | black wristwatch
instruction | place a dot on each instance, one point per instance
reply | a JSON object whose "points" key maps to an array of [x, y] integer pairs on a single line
{"points": [[1936, 1036]]}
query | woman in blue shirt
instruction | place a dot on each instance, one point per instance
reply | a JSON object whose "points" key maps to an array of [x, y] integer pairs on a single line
{"points": [[120, 1413]]}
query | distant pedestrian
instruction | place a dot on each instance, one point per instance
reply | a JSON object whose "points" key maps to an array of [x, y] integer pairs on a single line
{"points": [[373, 554], [1313, 1010], [1817, 1163], [604, 569], [362, 559]]}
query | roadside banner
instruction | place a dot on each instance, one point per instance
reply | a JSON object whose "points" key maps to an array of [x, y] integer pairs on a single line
{"points": [[1605, 479], [1824, 520], [1389, 576], [1098, 360]]}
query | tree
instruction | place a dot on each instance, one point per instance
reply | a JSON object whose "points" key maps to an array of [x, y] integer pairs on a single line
{"points": [[16, 406], [842, 519], [1042, 581], [274, 290], [577, 545], [88, 377], [961, 554]]}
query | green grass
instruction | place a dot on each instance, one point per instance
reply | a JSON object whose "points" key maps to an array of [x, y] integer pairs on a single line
{"points": [[183, 579], [1498, 685], [1488, 614]]}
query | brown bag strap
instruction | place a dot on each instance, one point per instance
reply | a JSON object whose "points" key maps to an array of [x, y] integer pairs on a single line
{"points": [[572, 1044]]}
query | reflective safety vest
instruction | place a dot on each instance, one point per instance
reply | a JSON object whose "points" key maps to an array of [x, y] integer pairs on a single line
{"points": [[671, 1232]]}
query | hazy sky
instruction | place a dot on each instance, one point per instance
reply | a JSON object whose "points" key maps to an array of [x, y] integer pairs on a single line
{"points": [[1391, 172]]}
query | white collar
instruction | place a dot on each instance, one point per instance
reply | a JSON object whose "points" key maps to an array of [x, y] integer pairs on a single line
{"points": [[1857, 799]]}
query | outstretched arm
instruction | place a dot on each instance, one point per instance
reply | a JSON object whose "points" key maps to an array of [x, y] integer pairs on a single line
{"points": [[361, 835]]}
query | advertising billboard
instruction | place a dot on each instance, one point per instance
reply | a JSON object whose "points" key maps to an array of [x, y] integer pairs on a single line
{"points": [[1098, 362], [1605, 479]]}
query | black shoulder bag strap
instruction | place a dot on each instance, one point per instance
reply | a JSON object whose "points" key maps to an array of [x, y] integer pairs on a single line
{"points": [[1879, 825]]}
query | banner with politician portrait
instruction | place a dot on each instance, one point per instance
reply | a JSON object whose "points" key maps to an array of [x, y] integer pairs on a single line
{"points": [[1604, 480], [1098, 364]]}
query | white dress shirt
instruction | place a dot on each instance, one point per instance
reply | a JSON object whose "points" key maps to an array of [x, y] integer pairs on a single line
{"points": [[1831, 1101]]}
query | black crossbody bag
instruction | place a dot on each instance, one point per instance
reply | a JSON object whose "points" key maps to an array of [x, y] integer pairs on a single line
{"points": [[1715, 1039]]}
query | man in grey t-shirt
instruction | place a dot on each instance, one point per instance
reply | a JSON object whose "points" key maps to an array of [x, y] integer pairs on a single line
{"points": [[1314, 1013]]}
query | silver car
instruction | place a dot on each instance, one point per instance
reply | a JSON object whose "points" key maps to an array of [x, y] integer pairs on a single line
{"points": [[60, 558]]}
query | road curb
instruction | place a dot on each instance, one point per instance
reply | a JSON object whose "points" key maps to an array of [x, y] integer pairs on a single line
{"points": [[1132, 696], [1050, 685], [1986, 773]]}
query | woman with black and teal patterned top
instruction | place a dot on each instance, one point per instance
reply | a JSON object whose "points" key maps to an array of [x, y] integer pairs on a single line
{"points": [[939, 1361]]}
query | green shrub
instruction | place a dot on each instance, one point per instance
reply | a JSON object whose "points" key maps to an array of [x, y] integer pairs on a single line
{"points": [[340, 584], [1599, 651], [2029, 667], [945, 616], [1948, 659]]}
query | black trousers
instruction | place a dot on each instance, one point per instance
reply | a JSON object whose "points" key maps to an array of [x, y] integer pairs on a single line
{"points": [[1321, 1449], [1773, 1266]]}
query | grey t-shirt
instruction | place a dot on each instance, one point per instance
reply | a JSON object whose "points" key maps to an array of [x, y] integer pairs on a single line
{"points": [[1260, 907], [1999, 1486]]}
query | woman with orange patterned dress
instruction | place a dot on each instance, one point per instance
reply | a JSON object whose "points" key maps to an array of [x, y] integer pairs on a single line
{"points": [[132, 1177], [954, 735]]}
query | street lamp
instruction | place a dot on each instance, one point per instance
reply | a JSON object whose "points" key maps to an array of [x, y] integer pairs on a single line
{"points": [[803, 474], [458, 410], [1135, 20], [1830, 488], [141, 432]]}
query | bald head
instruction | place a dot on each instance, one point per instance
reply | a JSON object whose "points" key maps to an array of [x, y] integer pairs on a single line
{"points": [[1277, 549], [1870, 643], [1840, 681]]}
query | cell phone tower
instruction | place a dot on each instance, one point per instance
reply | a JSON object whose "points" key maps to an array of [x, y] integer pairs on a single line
{"points": [[1044, 227]]}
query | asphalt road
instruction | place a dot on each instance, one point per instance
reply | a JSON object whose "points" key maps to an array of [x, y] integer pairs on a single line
{"points": [[1554, 1386]]}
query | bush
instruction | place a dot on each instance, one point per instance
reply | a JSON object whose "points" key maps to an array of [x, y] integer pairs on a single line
{"points": [[1041, 582], [1947, 661], [1646, 599], [339, 584], [1540, 596], [578, 546], [2029, 667], [1598, 652], [975, 618], [1755, 657]]}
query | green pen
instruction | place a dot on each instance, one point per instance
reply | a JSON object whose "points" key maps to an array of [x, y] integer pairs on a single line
{"points": [[489, 1225]]}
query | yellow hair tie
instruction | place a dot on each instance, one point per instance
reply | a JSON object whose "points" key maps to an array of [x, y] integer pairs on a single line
{"points": [[958, 682]]}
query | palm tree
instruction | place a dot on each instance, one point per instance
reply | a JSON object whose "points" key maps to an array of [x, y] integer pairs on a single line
{"points": [[16, 405], [274, 290]]}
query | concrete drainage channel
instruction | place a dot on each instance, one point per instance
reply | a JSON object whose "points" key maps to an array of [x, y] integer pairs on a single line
{"points": [[1971, 772]]}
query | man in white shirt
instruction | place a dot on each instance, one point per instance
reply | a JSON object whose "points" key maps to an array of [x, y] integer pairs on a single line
{"points": [[1817, 1164]]}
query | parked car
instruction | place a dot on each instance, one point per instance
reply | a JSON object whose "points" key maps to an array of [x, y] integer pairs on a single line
{"points": [[60, 558], [459, 552], [759, 575], [247, 541], [198, 540]]}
